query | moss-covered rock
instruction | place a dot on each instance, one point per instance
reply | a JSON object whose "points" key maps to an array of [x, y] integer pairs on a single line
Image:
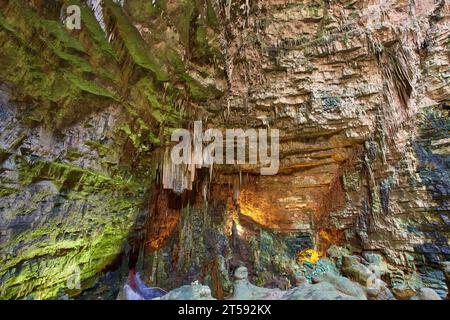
{"points": [[72, 188]]}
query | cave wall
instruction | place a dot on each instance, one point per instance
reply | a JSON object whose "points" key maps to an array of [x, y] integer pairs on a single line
{"points": [[358, 89], [359, 92], [84, 114]]}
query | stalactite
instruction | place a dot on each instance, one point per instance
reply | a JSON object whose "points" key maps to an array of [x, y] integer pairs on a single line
{"points": [[228, 9], [398, 72], [97, 7], [375, 202]]}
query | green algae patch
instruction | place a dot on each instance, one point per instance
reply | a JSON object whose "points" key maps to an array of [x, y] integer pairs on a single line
{"points": [[141, 11], [73, 154], [93, 28], [134, 43], [6, 191], [89, 86], [56, 249], [199, 92], [4, 155], [183, 19], [70, 177]]}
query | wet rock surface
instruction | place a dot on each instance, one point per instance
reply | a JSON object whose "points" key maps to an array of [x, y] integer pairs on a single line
{"points": [[358, 89], [326, 286]]}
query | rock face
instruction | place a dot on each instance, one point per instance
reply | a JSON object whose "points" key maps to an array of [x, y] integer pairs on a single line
{"points": [[193, 292], [83, 115], [426, 294], [352, 268], [359, 91], [329, 287], [59, 219]]}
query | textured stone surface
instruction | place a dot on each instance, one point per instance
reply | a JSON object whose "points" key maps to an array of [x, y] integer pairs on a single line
{"points": [[426, 294], [193, 292], [358, 89]]}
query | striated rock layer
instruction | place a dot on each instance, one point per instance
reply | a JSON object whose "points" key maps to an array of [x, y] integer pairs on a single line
{"points": [[359, 91]]}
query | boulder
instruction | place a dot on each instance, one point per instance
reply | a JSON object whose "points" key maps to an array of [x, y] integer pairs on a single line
{"points": [[337, 252], [319, 291], [328, 286], [426, 294], [376, 263], [343, 285], [403, 292], [195, 291], [355, 270], [244, 290]]}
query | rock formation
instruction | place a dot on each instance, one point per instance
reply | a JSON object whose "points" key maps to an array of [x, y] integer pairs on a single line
{"points": [[328, 286], [359, 91]]}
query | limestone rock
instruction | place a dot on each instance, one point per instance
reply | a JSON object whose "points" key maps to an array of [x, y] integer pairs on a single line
{"points": [[328, 287], [244, 290], [376, 263], [403, 292], [359, 91], [343, 285], [195, 291], [319, 291], [426, 294], [355, 270]]}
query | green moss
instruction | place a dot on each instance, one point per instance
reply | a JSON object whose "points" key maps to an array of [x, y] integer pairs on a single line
{"points": [[101, 149], [48, 64], [73, 154], [175, 61], [59, 32], [6, 25], [5, 191], [135, 137], [154, 139], [199, 92], [93, 28], [66, 74], [141, 11], [134, 43], [152, 110], [80, 64], [211, 17], [182, 19], [89, 86]]}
